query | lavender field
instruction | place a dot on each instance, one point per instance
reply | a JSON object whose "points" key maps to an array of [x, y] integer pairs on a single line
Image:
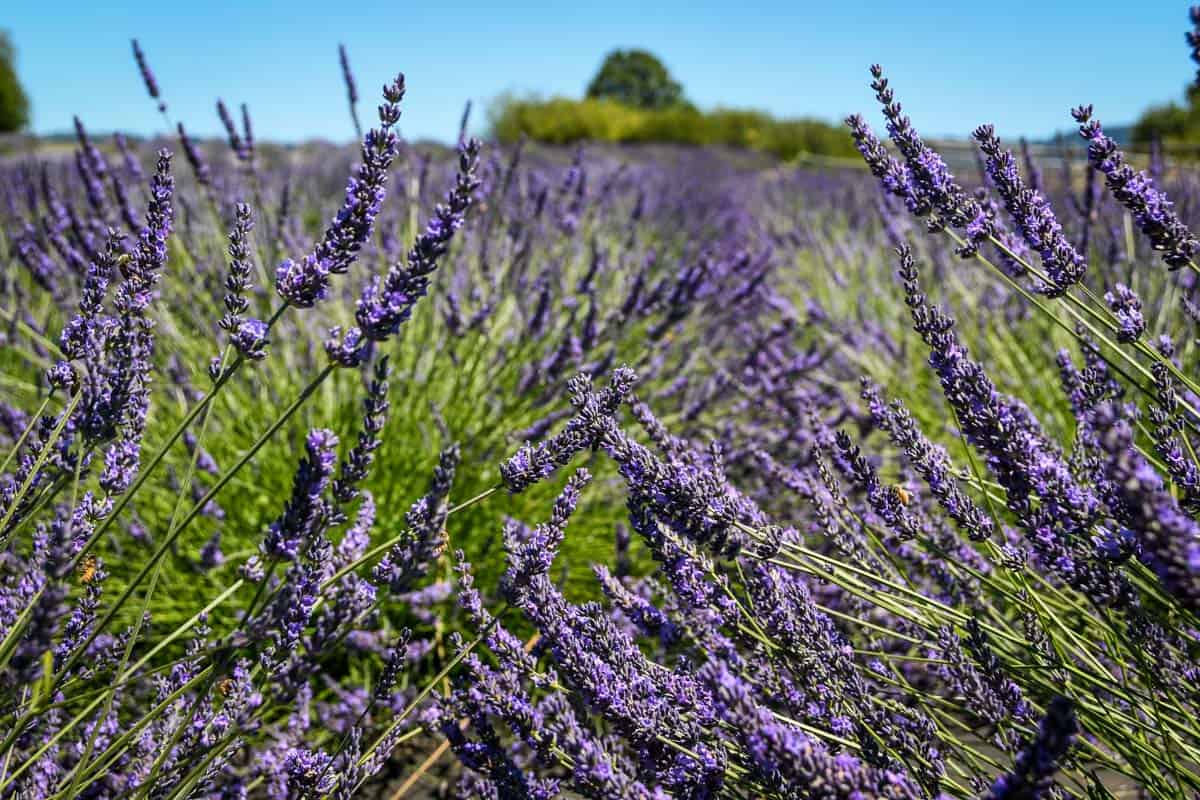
{"points": [[510, 470]]}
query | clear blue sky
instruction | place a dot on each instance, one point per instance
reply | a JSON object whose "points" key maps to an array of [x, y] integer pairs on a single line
{"points": [[1018, 64]]}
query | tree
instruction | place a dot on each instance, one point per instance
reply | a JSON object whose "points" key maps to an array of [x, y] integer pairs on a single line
{"points": [[14, 105], [636, 78]]}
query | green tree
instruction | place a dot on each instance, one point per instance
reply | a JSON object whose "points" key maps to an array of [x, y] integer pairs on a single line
{"points": [[14, 105], [635, 78], [1171, 123]]}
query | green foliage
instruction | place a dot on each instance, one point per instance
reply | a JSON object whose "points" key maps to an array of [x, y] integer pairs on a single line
{"points": [[635, 78], [14, 104], [1172, 123], [563, 121]]}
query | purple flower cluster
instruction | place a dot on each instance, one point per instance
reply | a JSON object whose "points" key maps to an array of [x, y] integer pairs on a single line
{"points": [[1126, 306], [387, 303], [147, 76], [1032, 214], [1054, 508], [306, 508], [305, 282], [1037, 763], [1151, 210]]}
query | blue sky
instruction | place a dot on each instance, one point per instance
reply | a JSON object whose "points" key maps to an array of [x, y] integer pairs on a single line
{"points": [[955, 65]]}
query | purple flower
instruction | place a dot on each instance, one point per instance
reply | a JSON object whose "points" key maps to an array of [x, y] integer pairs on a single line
{"points": [[235, 140], [253, 571], [388, 302], [357, 464], [425, 536], [1167, 437], [194, 157], [533, 463], [305, 509], [1054, 508], [351, 88], [211, 556], [931, 179], [393, 666], [602, 662], [1033, 770], [93, 169], [1127, 307], [237, 281], [308, 774], [247, 136], [790, 761], [885, 501], [1151, 210], [931, 461], [893, 175], [250, 338], [133, 167], [975, 673], [1033, 215], [305, 282], [1168, 537], [147, 75]]}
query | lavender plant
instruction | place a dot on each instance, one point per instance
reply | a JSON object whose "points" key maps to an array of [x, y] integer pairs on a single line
{"points": [[614, 475]]}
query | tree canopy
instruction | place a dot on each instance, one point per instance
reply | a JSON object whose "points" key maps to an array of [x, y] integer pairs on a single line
{"points": [[14, 104], [1172, 123], [637, 79]]}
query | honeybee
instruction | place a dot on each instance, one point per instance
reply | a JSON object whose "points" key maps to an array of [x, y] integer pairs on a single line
{"points": [[87, 570], [904, 495], [122, 261], [225, 686]]}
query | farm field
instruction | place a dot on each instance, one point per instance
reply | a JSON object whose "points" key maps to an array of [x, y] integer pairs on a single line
{"points": [[507, 469]]}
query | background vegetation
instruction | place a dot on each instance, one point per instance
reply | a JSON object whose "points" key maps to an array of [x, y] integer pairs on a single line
{"points": [[14, 104], [634, 99]]}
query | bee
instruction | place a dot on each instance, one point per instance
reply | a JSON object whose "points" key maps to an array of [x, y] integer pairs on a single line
{"points": [[904, 495], [122, 261], [225, 686], [87, 570], [441, 543]]}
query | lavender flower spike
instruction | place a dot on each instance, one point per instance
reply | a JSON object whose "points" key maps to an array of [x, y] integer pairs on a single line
{"points": [[1151, 209], [305, 508], [147, 75], [426, 535], [1035, 766], [237, 282], [1033, 215], [533, 463], [386, 304], [789, 760], [351, 88], [231, 131], [305, 282], [1127, 307], [247, 136], [358, 463], [931, 177], [894, 176], [194, 157], [1169, 538], [250, 339]]}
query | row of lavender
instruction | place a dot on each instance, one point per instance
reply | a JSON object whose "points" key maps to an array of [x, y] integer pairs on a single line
{"points": [[818, 621]]}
